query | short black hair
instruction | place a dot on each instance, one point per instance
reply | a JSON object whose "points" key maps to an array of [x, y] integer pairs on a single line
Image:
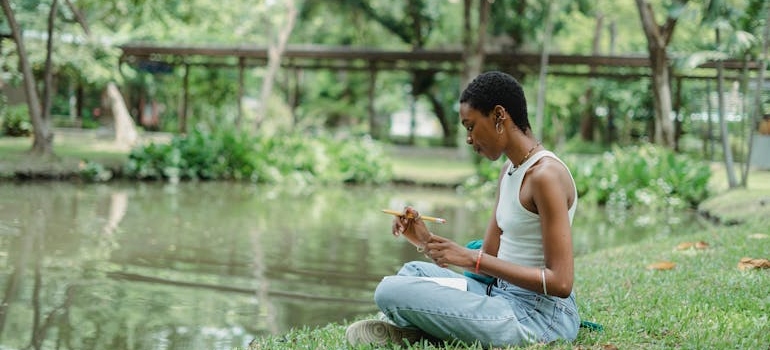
{"points": [[493, 88]]}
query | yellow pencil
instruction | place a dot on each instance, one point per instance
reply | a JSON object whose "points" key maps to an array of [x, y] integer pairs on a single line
{"points": [[423, 217]]}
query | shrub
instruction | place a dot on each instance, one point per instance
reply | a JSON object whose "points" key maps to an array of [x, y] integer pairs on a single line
{"points": [[644, 175], [15, 121], [234, 155]]}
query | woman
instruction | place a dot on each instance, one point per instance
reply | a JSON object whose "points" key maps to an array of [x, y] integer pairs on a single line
{"points": [[527, 248]]}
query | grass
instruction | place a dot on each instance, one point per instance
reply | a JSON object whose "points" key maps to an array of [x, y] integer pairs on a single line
{"points": [[69, 148], [705, 301], [441, 167], [738, 204]]}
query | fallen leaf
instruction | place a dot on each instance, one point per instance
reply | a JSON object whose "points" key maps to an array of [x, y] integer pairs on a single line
{"points": [[661, 265], [752, 263], [609, 347], [688, 245], [759, 236]]}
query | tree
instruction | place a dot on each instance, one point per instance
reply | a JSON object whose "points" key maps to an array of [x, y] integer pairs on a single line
{"points": [[732, 37], [762, 62], [534, 25], [542, 76], [587, 124], [473, 46], [413, 28], [717, 17], [275, 51], [658, 39], [43, 134]]}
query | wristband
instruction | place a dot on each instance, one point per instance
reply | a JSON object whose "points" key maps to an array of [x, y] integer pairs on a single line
{"points": [[478, 260]]}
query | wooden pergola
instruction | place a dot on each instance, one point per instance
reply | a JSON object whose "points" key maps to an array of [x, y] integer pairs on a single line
{"points": [[159, 57]]}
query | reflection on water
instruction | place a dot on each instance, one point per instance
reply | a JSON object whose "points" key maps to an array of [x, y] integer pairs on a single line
{"points": [[212, 265]]}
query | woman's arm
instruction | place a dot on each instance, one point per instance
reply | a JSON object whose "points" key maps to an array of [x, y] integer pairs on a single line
{"points": [[491, 243], [549, 192]]}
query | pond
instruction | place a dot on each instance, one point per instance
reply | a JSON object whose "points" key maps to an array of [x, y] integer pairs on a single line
{"points": [[213, 265]]}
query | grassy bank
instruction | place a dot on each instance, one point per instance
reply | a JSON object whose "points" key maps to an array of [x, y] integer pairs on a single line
{"points": [[70, 148], [423, 166], [705, 301]]}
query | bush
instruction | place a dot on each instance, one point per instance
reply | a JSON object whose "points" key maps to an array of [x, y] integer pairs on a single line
{"points": [[234, 155], [15, 121], [644, 175]]}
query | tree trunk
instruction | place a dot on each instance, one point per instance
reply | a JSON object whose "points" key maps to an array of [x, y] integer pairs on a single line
{"points": [[664, 126], [374, 127], [185, 100], [125, 129], [473, 47], [732, 182], [241, 91], [678, 118], [79, 17], [43, 135], [540, 108], [275, 52], [473, 56], [48, 70], [708, 145], [658, 38], [438, 108], [762, 64], [587, 124]]}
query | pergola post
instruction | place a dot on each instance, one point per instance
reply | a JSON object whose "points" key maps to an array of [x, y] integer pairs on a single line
{"points": [[374, 129], [241, 69], [185, 100]]}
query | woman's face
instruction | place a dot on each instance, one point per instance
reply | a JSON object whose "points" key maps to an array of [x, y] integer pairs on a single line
{"points": [[481, 132]]}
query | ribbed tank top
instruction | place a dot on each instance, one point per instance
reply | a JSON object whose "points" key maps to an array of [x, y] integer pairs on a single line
{"points": [[522, 240]]}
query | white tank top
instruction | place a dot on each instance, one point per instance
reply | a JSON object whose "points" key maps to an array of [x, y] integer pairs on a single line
{"points": [[522, 240]]}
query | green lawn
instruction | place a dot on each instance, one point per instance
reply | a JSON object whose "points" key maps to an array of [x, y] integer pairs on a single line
{"points": [[433, 166], [738, 204], [704, 302]]}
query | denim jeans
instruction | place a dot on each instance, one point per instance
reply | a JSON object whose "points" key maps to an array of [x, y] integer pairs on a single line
{"points": [[508, 316]]}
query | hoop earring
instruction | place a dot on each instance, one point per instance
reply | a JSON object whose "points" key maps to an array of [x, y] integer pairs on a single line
{"points": [[499, 128]]}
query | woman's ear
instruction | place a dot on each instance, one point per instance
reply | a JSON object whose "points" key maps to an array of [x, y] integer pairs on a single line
{"points": [[499, 112]]}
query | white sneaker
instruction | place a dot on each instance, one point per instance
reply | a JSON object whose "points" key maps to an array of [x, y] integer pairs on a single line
{"points": [[381, 333]]}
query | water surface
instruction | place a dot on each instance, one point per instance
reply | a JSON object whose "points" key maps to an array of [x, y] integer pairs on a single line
{"points": [[213, 265]]}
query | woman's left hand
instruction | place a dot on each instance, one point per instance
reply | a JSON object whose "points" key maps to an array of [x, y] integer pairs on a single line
{"points": [[445, 252]]}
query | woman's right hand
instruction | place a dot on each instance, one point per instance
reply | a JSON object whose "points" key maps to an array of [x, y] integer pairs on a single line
{"points": [[409, 225]]}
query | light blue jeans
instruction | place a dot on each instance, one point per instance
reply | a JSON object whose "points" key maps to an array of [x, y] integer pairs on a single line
{"points": [[508, 316]]}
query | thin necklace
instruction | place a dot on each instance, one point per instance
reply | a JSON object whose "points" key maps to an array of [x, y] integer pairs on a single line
{"points": [[513, 167]]}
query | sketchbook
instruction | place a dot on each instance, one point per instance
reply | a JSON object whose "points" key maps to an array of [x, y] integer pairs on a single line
{"points": [[454, 282]]}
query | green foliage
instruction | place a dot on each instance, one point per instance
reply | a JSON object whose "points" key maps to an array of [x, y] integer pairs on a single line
{"points": [[233, 155], [644, 175], [15, 121], [94, 172], [577, 145]]}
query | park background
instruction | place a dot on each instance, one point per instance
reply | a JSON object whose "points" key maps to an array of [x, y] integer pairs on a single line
{"points": [[191, 175]]}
